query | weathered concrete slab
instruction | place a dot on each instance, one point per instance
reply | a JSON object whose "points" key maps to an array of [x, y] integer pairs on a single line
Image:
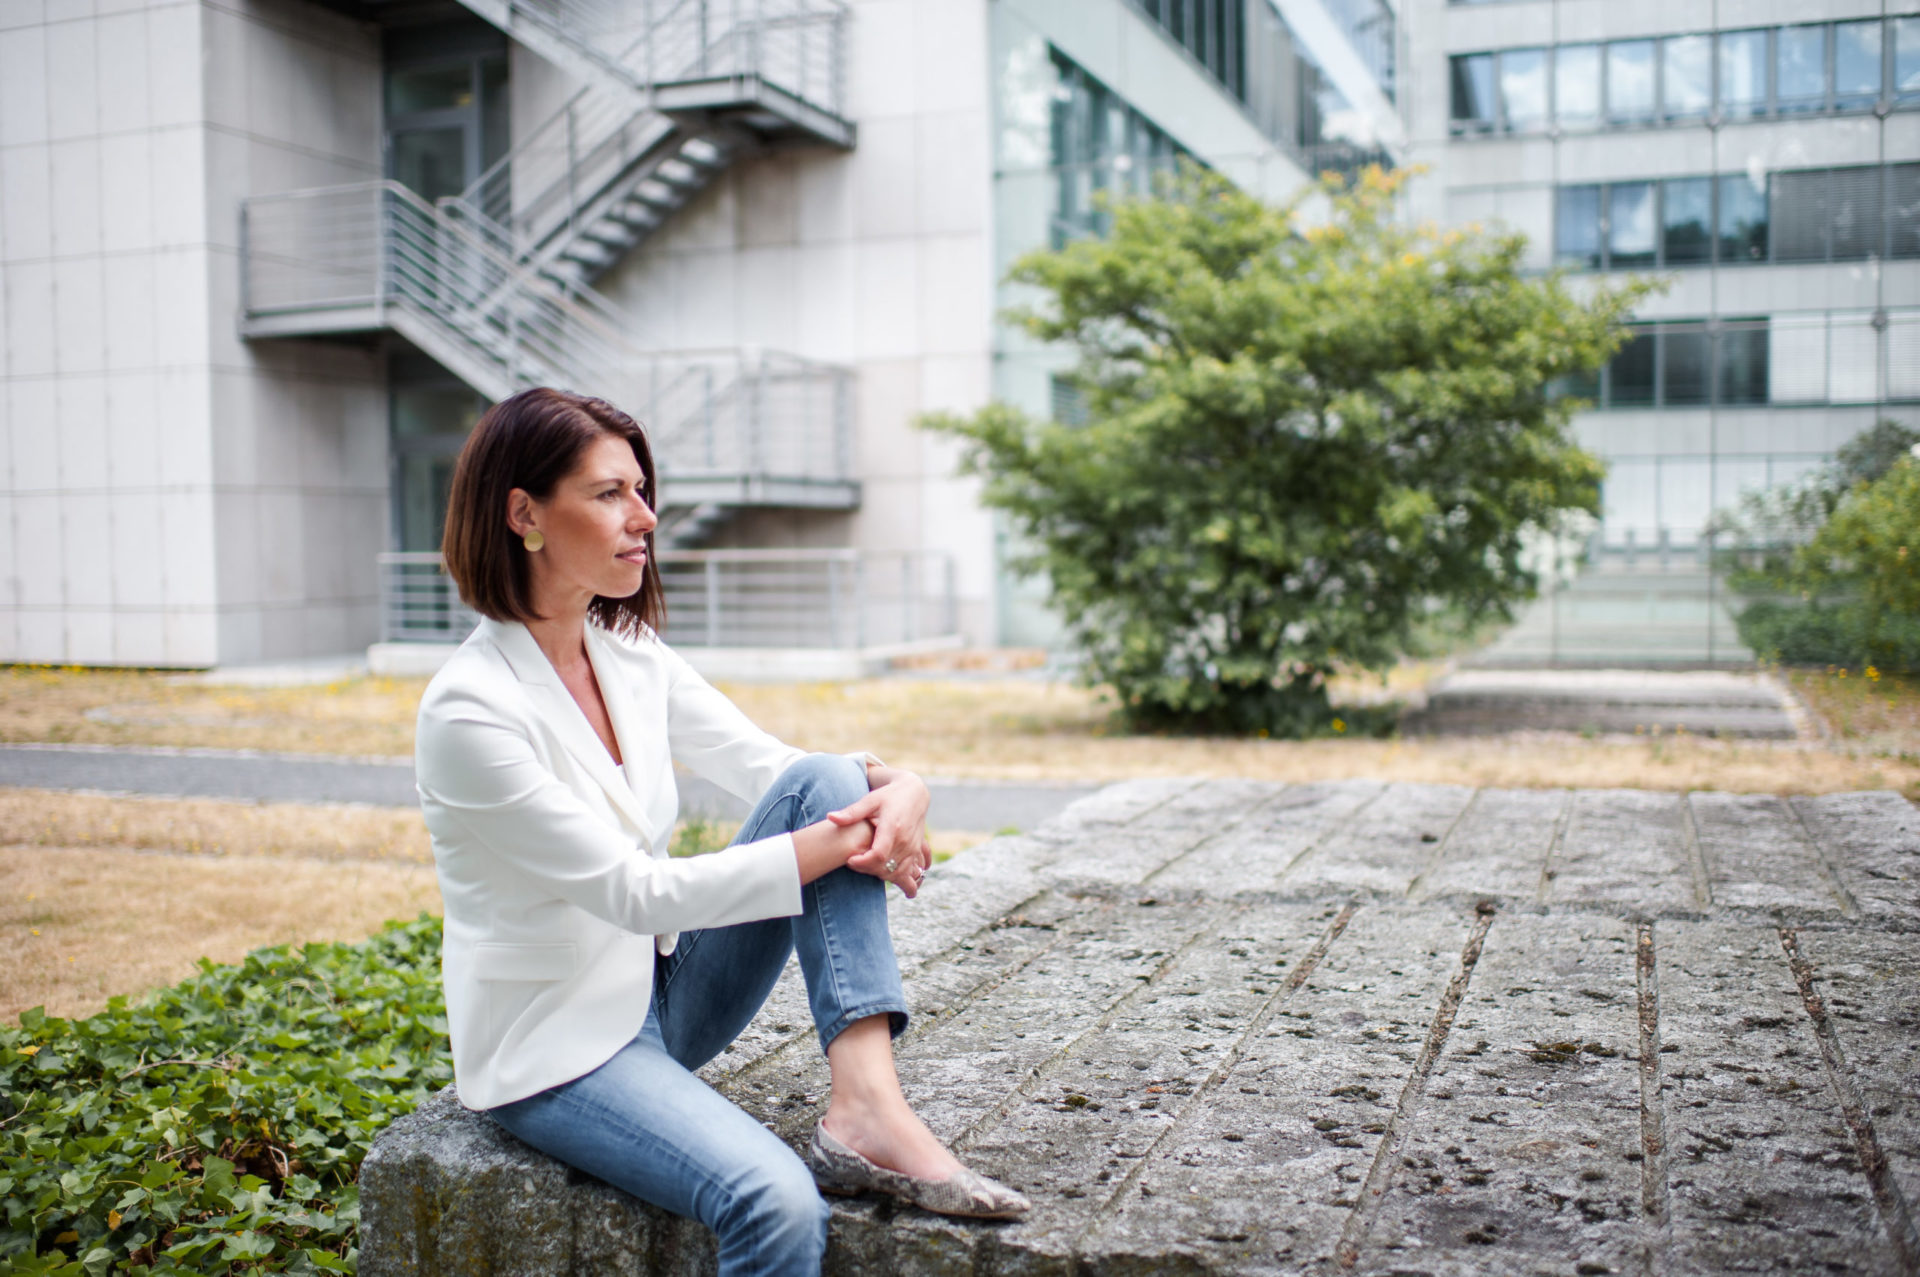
{"points": [[1763, 1174], [1759, 859], [1527, 1151], [1235, 1027], [1873, 843], [1628, 851]]}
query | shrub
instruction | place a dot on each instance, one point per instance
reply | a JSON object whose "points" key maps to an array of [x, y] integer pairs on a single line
{"points": [[1302, 444], [1857, 579], [219, 1125]]}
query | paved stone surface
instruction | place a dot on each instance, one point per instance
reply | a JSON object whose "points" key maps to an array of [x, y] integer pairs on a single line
{"points": [[1340, 1027], [983, 806], [1704, 702]]}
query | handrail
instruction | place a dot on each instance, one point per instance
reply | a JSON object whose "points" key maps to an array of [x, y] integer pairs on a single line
{"points": [[799, 598], [378, 250]]}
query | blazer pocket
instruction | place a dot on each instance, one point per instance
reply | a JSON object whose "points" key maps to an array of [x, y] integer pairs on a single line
{"points": [[522, 961]]}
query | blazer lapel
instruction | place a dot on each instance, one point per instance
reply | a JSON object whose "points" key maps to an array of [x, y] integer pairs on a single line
{"points": [[559, 711]]}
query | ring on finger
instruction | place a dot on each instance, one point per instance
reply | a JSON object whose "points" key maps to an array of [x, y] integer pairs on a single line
{"points": [[892, 865]]}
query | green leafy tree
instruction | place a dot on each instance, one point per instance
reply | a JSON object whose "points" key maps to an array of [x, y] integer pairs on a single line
{"points": [[1302, 441], [1854, 588], [1761, 535]]}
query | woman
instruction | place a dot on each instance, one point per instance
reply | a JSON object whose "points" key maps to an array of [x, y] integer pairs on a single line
{"points": [[586, 975]]}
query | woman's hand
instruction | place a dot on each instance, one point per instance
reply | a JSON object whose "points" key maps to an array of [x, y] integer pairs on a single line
{"points": [[826, 845], [897, 808]]}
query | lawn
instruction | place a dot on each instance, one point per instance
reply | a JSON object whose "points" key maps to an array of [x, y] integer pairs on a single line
{"points": [[167, 881], [1013, 728]]}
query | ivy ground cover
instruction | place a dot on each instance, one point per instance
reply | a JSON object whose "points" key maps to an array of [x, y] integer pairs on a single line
{"points": [[218, 1126]]}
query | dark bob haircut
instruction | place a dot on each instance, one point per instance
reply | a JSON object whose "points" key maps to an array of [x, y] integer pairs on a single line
{"points": [[532, 441]]}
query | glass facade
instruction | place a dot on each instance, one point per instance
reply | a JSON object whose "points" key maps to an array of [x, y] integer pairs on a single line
{"points": [[1213, 31], [1806, 215], [1686, 77], [1100, 146], [1804, 69], [430, 413], [1817, 357]]}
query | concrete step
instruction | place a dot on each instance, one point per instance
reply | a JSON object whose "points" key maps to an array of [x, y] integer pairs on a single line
{"points": [[1237, 1027], [1704, 702]]}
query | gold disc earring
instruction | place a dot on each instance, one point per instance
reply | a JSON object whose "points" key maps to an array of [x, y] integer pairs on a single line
{"points": [[533, 540]]}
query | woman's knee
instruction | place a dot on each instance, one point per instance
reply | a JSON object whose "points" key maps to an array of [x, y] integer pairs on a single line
{"points": [[780, 1212], [831, 780]]}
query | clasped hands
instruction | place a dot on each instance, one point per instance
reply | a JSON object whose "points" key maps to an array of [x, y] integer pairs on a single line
{"points": [[889, 827]]}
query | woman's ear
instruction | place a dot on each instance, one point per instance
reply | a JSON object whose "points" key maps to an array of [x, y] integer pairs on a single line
{"points": [[519, 512]]}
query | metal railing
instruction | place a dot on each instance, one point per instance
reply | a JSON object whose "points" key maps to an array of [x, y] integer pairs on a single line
{"points": [[418, 603], [831, 598], [380, 256], [377, 246], [556, 170]]}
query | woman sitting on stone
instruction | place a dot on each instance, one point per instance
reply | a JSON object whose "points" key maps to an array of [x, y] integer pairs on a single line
{"points": [[587, 975]]}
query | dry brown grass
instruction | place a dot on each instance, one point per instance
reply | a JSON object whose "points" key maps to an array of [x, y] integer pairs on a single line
{"points": [[1865, 710], [81, 925], [1015, 728], [1043, 731], [64, 704], [208, 826]]}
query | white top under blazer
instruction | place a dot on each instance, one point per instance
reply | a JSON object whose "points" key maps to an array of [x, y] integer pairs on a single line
{"points": [[552, 858]]}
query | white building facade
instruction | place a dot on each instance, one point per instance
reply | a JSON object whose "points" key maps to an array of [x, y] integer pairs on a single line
{"points": [[263, 262], [1761, 157]]}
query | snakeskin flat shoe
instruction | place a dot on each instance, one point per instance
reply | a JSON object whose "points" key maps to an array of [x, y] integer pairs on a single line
{"points": [[840, 1170]]}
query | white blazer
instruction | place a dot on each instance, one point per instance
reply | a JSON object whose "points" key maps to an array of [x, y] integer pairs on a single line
{"points": [[552, 858]]}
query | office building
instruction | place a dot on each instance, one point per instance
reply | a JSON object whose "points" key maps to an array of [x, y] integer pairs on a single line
{"points": [[1764, 159], [264, 262]]}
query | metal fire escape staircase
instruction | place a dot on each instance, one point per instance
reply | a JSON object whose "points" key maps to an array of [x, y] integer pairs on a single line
{"points": [[494, 283], [675, 90]]}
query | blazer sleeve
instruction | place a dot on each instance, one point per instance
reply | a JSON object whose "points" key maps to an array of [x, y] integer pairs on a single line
{"points": [[709, 735], [482, 773]]}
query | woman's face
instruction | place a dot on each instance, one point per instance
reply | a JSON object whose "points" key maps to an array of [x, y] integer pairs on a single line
{"points": [[595, 524]]}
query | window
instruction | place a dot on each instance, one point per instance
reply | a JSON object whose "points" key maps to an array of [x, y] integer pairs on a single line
{"points": [[1743, 74], [1800, 68], [1804, 215], [1577, 226], [1685, 365], [1101, 146], [1906, 59], [1799, 221], [1686, 221], [1903, 210], [1686, 77], [1840, 214], [1474, 110], [1069, 402], [1629, 381], [1742, 219], [1856, 65], [1853, 212], [1859, 65], [1213, 31], [1576, 86], [1630, 235], [1630, 82], [1742, 362], [1523, 89]]}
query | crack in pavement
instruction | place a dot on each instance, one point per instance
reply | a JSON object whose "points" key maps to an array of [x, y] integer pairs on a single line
{"points": [[1386, 1158]]}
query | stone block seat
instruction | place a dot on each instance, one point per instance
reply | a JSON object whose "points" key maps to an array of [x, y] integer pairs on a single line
{"points": [[1228, 1026]]}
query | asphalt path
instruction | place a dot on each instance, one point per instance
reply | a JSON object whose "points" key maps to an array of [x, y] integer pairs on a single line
{"points": [[253, 776]]}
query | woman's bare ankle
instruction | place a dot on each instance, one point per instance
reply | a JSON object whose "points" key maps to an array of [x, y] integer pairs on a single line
{"points": [[890, 1135]]}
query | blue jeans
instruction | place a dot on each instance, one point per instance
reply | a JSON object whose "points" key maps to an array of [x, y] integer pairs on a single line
{"points": [[644, 1123]]}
